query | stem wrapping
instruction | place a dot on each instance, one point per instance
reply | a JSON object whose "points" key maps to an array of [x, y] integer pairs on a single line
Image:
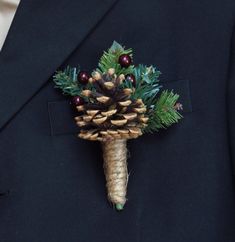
{"points": [[115, 170]]}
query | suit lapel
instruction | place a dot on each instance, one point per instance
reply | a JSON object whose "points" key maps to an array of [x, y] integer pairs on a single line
{"points": [[42, 35]]}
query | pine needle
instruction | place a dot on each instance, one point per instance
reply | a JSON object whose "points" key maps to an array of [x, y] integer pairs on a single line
{"points": [[163, 114]]}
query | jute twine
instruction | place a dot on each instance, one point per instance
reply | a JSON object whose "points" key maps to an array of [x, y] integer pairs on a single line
{"points": [[115, 169]]}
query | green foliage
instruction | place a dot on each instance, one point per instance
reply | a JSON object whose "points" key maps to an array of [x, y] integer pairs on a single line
{"points": [[147, 84], [163, 114], [67, 81], [110, 59]]}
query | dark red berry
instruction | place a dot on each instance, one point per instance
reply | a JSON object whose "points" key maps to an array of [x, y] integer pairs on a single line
{"points": [[83, 77], [77, 101], [131, 78], [125, 60]]}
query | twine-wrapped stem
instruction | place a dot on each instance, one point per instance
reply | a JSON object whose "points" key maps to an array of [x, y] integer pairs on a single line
{"points": [[115, 170]]}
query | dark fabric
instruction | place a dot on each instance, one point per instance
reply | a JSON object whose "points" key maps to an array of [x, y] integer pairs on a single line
{"points": [[231, 100], [181, 185]]}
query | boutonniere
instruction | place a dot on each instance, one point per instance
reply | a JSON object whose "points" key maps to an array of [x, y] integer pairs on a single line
{"points": [[119, 101]]}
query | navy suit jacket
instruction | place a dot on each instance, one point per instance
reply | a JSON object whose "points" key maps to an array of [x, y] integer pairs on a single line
{"points": [[181, 186]]}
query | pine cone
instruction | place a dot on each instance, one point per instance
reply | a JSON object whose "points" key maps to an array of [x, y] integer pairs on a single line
{"points": [[111, 112]]}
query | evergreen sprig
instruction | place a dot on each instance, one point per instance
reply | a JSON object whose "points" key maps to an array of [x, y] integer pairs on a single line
{"points": [[164, 112], [110, 59], [67, 81], [147, 84]]}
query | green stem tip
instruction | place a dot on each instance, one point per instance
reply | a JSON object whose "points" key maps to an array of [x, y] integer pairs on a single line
{"points": [[119, 206]]}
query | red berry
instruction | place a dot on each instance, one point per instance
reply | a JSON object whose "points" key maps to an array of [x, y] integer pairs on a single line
{"points": [[83, 77], [77, 101], [125, 60], [131, 78]]}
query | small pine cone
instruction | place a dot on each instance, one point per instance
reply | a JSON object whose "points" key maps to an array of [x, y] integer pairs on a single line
{"points": [[111, 112]]}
